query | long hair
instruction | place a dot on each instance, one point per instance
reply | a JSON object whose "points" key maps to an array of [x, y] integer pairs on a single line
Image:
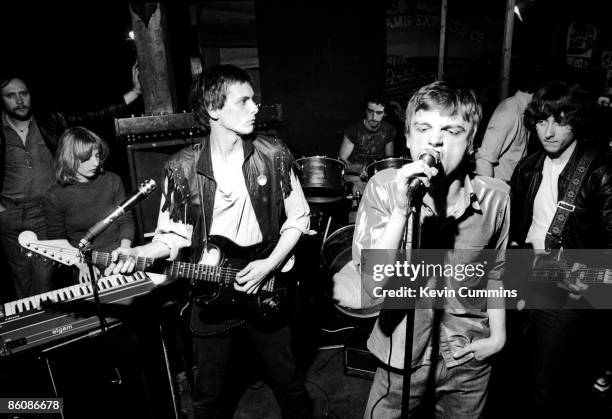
{"points": [[209, 90], [75, 146]]}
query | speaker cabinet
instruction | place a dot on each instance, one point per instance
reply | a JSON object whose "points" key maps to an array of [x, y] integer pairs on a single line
{"points": [[146, 161], [123, 374]]}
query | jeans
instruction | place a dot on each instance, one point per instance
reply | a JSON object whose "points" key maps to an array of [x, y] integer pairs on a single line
{"points": [[459, 392], [30, 275], [211, 355], [565, 349]]}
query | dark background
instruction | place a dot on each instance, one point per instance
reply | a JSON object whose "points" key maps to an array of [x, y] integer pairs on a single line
{"points": [[317, 58]]}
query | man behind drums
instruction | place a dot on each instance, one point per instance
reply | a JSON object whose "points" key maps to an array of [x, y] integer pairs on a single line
{"points": [[365, 141]]}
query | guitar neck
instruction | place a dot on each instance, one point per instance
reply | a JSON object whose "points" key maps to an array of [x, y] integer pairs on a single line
{"points": [[209, 273], [587, 275], [104, 259], [61, 251]]}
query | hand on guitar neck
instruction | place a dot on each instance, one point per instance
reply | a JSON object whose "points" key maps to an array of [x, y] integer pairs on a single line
{"points": [[249, 279], [230, 282], [123, 259], [568, 279]]}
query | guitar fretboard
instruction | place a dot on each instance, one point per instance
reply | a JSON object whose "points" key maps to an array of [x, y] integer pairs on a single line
{"points": [[223, 276], [587, 275]]}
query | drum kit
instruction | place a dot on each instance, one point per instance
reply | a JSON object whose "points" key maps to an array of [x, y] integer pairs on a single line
{"points": [[333, 211]]}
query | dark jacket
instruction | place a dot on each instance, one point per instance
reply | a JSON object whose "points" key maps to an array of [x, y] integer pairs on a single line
{"points": [[266, 169], [590, 225], [53, 124]]}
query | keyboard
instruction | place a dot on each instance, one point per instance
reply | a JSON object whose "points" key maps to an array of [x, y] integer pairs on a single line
{"points": [[47, 317]]}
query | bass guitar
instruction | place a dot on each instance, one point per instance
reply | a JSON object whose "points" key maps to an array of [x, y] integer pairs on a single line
{"points": [[539, 277]]}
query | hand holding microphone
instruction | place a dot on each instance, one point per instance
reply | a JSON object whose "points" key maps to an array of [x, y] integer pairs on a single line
{"points": [[417, 175]]}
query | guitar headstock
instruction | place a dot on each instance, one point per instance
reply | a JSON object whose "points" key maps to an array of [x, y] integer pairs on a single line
{"points": [[57, 250]]}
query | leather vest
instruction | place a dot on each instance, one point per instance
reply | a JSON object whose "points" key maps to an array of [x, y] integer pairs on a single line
{"points": [[266, 170]]}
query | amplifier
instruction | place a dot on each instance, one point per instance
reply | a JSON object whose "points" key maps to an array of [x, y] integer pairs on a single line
{"points": [[358, 360], [183, 125]]}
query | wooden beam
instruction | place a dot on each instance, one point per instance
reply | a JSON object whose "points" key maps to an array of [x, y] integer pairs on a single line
{"points": [[442, 47], [154, 60], [507, 50]]}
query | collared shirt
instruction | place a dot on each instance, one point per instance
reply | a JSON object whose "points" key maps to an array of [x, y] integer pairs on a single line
{"points": [[234, 219], [545, 203], [29, 167], [478, 220], [233, 213], [505, 140]]}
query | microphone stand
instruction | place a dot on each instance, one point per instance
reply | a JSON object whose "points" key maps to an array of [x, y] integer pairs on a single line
{"points": [[87, 253], [411, 240]]}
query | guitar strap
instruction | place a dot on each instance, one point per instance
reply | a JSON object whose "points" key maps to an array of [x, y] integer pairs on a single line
{"points": [[203, 219], [566, 206], [204, 232]]}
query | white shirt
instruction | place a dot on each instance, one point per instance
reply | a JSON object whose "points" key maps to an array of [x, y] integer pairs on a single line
{"points": [[545, 203], [233, 214]]}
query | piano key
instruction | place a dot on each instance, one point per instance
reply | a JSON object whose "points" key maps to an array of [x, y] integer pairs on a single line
{"points": [[68, 293], [44, 324], [9, 308], [35, 301]]}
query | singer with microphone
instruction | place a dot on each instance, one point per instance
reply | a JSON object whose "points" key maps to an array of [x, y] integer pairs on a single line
{"points": [[449, 371], [84, 197]]}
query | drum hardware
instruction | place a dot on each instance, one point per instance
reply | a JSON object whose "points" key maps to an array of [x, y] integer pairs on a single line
{"points": [[352, 197], [386, 163], [336, 252], [326, 231], [355, 201], [322, 178]]}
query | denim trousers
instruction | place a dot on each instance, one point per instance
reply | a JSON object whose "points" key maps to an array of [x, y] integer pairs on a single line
{"points": [[30, 275], [459, 392], [566, 349], [211, 355]]}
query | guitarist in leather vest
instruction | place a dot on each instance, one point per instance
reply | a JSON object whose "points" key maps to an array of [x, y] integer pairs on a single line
{"points": [[243, 189], [562, 344]]}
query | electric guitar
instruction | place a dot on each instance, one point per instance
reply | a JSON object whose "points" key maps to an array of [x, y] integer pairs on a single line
{"points": [[545, 272], [211, 281]]}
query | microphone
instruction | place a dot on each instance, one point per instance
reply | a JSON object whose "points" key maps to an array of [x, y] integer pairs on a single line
{"points": [[144, 190], [431, 158]]}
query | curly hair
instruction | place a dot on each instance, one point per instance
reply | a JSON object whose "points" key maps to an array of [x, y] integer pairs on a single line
{"points": [[568, 104], [75, 146], [377, 97], [209, 90]]}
